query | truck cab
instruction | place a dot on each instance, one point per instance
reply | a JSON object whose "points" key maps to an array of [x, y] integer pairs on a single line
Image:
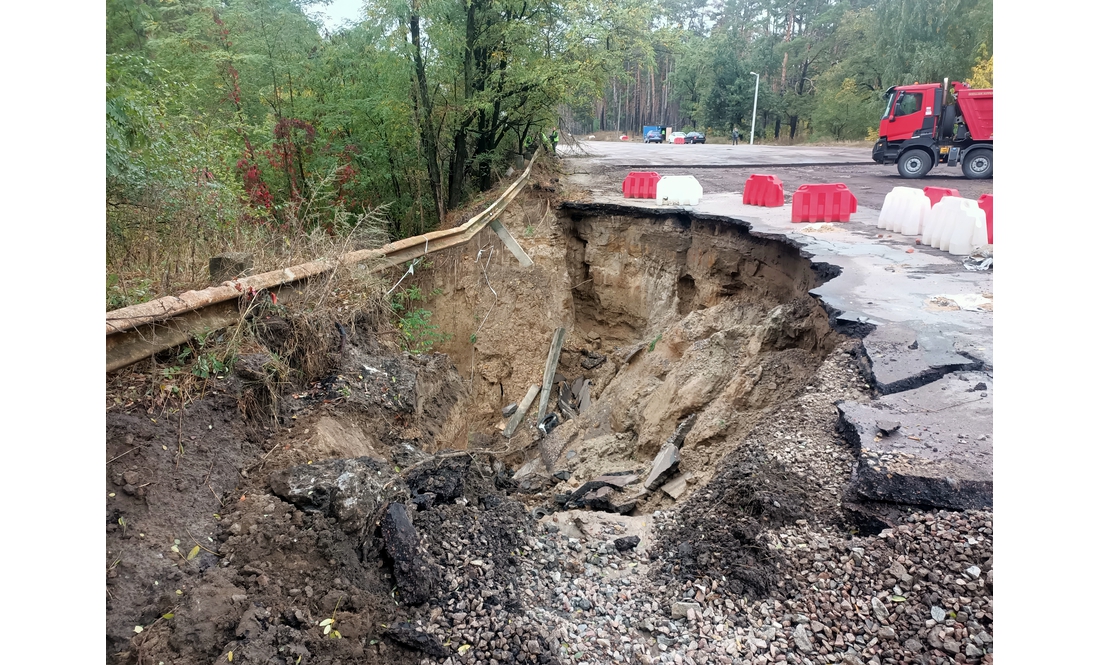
{"points": [[920, 129]]}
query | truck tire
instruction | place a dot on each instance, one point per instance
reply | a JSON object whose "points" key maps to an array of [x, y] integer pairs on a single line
{"points": [[914, 163], [978, 164]]}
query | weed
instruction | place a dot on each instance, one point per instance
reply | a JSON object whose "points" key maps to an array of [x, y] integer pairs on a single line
{"points": [[414, 323], [653, 344]]}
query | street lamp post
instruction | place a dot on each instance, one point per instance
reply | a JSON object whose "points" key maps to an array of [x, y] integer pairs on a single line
{"points": [[752, 132]]}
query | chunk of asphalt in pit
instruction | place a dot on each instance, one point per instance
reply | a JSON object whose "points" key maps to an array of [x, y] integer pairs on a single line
{"points": [[414, 574], [626, 543], [406, 634], [664, 466]]}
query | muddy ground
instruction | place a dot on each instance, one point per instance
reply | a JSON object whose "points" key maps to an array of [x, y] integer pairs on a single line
{"points": [[377, 514]]}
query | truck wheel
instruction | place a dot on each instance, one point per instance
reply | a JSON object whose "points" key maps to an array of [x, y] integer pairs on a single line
{"points": [[978, 164], [914, 164]]}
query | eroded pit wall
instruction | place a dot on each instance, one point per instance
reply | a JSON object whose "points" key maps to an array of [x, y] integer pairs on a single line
{"points": [[693, 315]]}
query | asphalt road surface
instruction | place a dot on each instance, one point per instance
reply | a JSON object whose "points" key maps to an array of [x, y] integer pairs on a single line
{"points": [[719, 168]]}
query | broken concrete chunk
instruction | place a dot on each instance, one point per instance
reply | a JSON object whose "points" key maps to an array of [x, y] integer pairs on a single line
{"points": [[509, 410], [888, 426], [664, 465], [676, 487], [563, 474], [521, 411], [346, 489], [617, 480], [680, 610], [414, 574]]}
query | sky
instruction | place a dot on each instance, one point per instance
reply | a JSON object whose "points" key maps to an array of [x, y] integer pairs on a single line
{"points": [[337, 12]]}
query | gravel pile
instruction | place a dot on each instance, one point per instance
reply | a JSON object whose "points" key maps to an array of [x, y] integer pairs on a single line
{"points": [[754, 568]]}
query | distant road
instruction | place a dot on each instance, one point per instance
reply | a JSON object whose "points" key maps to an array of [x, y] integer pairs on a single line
{"points": [[635, 154]]}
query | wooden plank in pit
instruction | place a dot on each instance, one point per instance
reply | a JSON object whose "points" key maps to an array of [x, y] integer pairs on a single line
{"points": [[551, 370], [521, 411]]}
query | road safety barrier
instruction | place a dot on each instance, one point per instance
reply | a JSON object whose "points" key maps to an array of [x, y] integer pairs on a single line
{"points": [[831, 202], [641, 185], [934, 194], [679, 190], [763, 190], [956, 225], [679, 140], [904, 211], [985, 202], [142, 330]]}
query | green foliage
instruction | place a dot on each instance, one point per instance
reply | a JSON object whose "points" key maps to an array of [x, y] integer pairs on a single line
{"points": [[419, 334]]}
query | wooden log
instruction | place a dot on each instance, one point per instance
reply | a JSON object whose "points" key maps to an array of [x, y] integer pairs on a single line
{"points": [[521, 411], [551, 369]]}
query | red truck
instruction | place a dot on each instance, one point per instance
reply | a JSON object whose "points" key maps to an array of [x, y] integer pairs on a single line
{"points": [[919, 129]]}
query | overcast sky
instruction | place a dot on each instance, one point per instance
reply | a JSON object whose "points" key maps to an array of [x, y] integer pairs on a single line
{"points": [[338, 12]]}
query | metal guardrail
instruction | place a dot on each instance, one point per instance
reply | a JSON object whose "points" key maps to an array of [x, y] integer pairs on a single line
{"points": [[140, 331]]}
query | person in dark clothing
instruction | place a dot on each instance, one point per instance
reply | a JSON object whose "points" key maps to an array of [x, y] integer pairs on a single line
{"points": [[736, 135], [663, 137], [554, 140]]}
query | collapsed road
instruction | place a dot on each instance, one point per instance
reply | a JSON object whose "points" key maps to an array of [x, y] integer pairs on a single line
{"points": [[763, 444]]}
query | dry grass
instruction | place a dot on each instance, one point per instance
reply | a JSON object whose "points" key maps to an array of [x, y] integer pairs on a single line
{"points": [[291, 339]]}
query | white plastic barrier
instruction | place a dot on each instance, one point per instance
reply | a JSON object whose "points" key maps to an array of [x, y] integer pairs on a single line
{"points": [[904, 211], [955, 225], [679, 190]]}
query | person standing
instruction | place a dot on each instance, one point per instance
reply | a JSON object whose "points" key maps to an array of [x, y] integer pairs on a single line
{"points": [[736, 135], [554, 140]]}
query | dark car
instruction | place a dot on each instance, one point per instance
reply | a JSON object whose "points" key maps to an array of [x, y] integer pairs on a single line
{"points": [[653, 136], [695, 137]]}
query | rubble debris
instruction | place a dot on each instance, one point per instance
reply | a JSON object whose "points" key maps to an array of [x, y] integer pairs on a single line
{"points": [[888, 426], [443, 477], [407, 634], [626, 543], [619, 480], [548, 423], [563, 474], [414, 574], [664, 465], [521, 411], [942, 454], [676, 487], [509, 410], [682, 430], [348, 490], [592, 360]]}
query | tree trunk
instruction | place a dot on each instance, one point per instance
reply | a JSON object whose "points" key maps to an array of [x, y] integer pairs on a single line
{"points": [[422, 108]]}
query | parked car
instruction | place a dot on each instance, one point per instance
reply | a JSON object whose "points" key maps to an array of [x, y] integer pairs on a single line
{"points": [[695, 137], [653, 136], [677, 135]]}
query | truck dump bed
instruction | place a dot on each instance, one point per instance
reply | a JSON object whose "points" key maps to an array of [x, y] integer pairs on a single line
{"points": [[977, 110]]}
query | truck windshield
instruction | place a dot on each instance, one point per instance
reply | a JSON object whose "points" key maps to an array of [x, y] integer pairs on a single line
{"points": [[889, 104]]}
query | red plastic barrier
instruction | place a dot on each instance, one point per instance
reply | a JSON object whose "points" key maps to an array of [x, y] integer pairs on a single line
{"points": [[641, 185], [763, 190], [832, 202], [985, 202], [934, 194], [679, 140]]}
